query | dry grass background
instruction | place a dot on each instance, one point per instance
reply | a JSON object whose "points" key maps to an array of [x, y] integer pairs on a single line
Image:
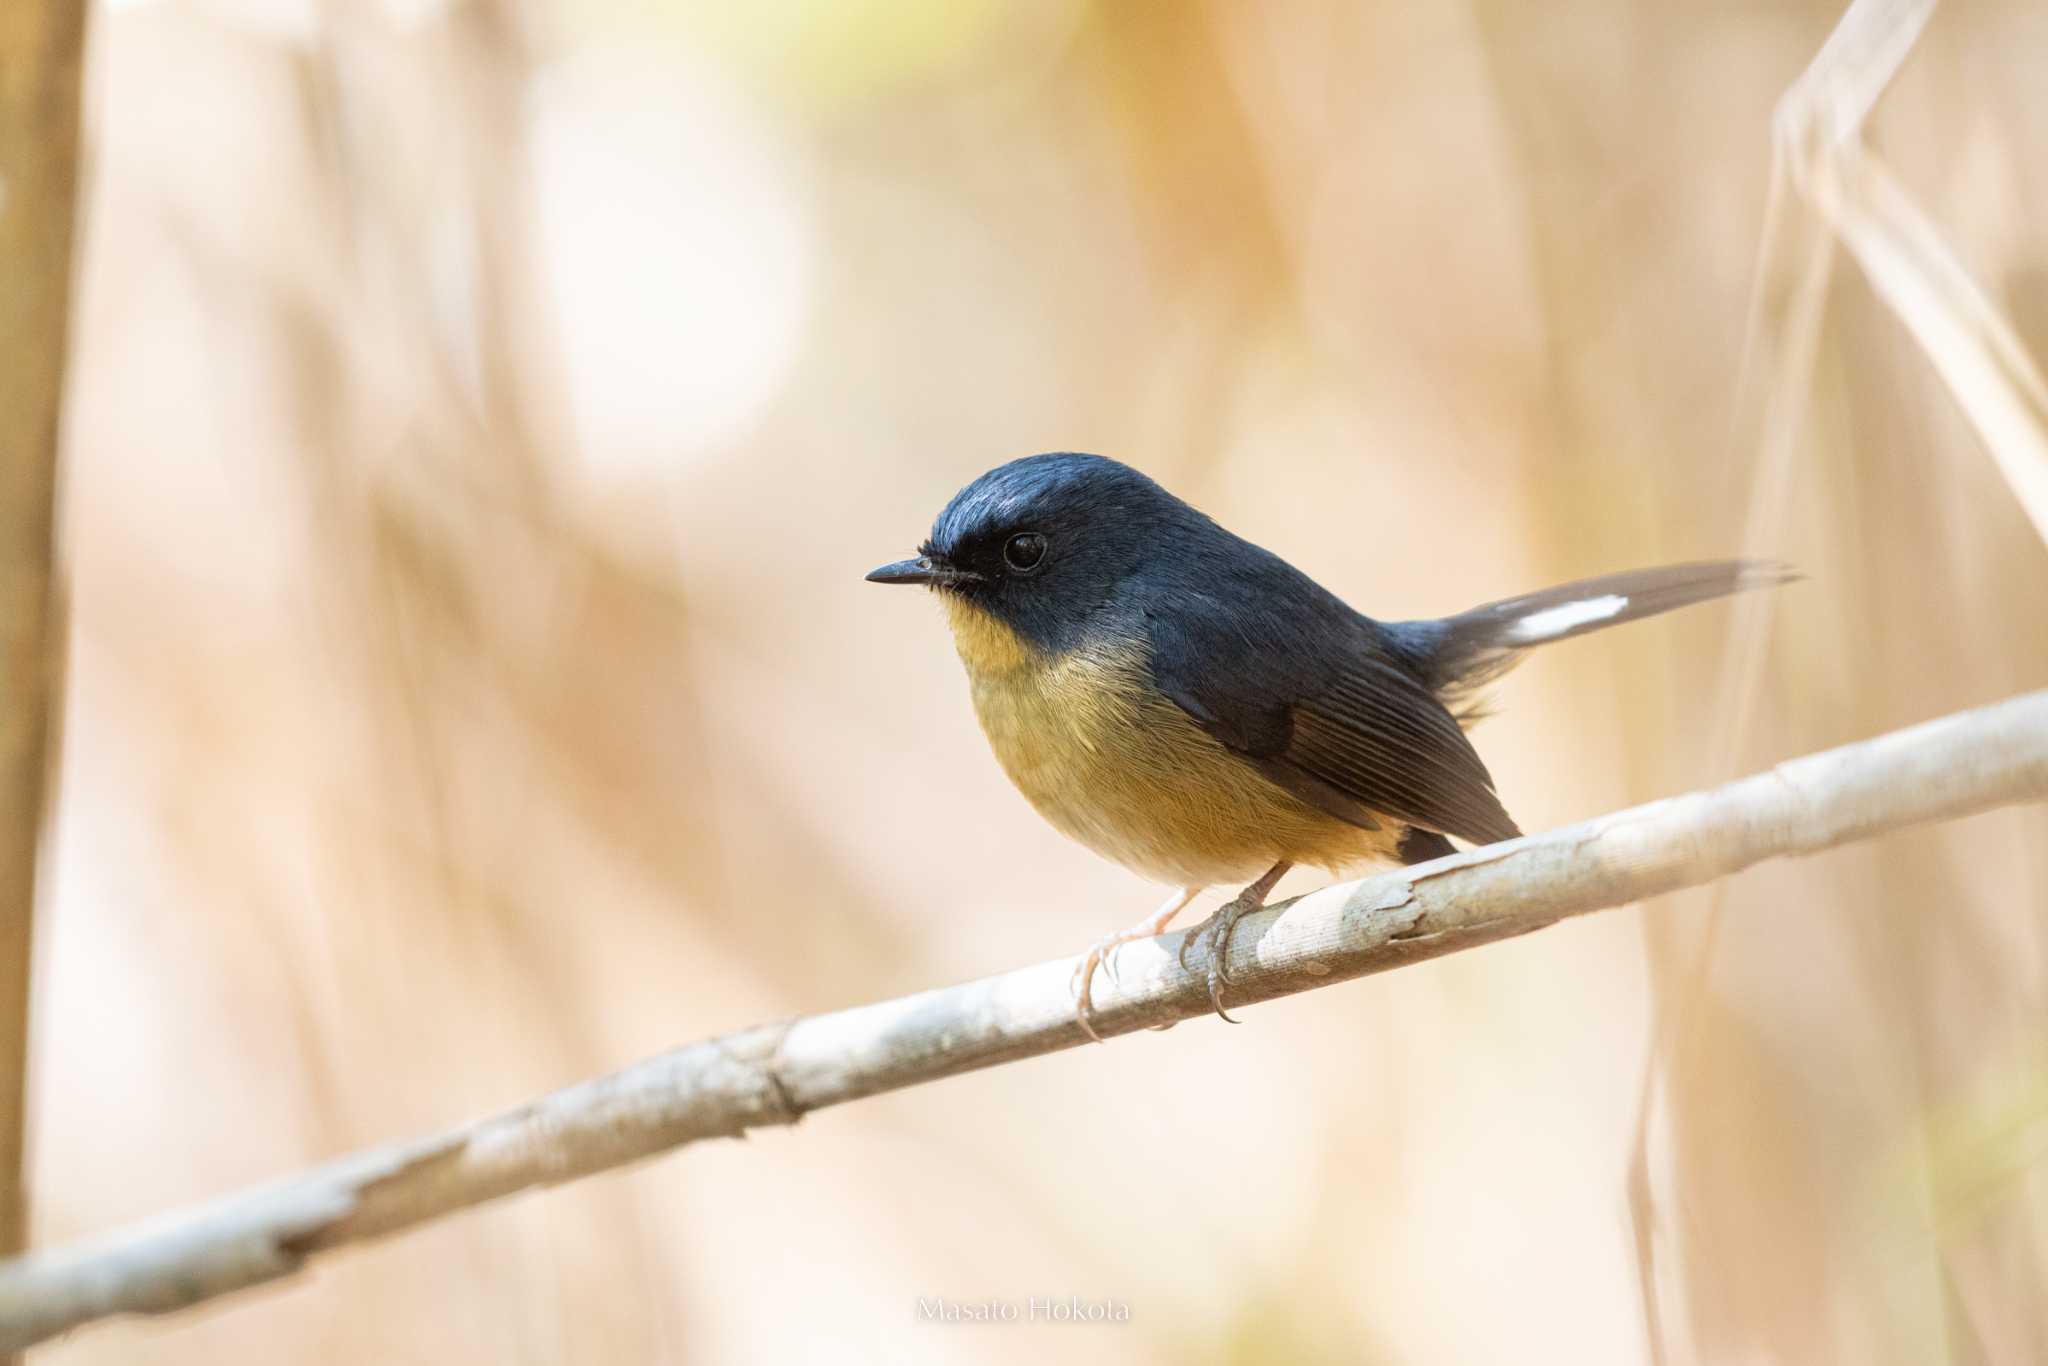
{"points": [[482, 415]]}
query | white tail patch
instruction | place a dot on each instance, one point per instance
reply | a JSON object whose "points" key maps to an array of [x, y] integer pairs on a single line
{"points": [[1553, 622]]}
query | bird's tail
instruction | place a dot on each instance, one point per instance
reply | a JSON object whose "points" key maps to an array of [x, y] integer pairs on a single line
{"points": [[1456, 655]]}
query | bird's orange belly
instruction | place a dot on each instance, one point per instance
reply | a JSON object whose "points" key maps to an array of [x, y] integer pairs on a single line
{"points": [[1121, 769]]}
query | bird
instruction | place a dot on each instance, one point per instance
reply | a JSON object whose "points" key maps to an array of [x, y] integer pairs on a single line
{"points": [[1192, 706]]}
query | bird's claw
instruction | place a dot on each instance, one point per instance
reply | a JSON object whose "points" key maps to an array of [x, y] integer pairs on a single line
{"points": [[1100, 954], [1216, 941], [1084, 997], [1216, 933], [1103, 953]]}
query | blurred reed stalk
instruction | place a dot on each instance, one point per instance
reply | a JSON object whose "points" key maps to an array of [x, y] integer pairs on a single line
{"points": [[1969, 343], [774, 1074], [41, 51], [1820, 153]]}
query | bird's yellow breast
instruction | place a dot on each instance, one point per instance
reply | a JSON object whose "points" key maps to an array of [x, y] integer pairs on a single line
{"points": [[1112, 763]]}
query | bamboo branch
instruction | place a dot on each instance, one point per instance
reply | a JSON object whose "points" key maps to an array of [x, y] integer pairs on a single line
{"points": [[775, 1073], [41, 47]]}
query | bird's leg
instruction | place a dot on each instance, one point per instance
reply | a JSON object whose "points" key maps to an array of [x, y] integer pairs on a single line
{"points": [[1103, 952], [1215, 931]]}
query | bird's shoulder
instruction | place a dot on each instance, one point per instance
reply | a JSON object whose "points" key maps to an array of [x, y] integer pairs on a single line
{"points": [[1239, 637], [1320, 698]]}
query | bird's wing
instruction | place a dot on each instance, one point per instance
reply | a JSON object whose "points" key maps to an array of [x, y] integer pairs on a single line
{"points": [[1313, 696]]}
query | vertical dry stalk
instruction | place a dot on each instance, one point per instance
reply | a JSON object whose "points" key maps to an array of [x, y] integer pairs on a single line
{"points": [[1971, 345], [41, 47]]}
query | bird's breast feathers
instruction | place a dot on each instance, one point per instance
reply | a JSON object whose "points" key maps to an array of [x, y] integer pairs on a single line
{"points": [[1114, 764]]}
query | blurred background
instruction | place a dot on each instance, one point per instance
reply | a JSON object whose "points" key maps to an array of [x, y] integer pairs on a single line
{"points": [[482, 414]]}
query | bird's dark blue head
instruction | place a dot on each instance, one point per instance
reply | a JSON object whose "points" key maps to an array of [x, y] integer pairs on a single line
{"points": [[1043, 543]]}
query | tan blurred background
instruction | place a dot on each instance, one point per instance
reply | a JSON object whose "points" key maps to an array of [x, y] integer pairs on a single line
{"points": [[482, 414]]}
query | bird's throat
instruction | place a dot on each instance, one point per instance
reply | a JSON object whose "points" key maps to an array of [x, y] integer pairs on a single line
{"points": [[987, 645]]}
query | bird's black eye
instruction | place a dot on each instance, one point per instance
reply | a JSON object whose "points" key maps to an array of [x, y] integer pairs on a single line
{"points": [[1023, 551]]}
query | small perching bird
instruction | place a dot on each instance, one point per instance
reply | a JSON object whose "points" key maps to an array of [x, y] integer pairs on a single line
{"points": [[1202, 712]]}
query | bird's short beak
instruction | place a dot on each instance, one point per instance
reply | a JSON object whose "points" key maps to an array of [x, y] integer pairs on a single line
{"points": [[924, 569], [905, 571]]}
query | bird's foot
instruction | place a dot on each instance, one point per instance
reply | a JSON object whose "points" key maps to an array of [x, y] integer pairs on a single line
{"points": [[1103, 953], [1215, 933]]}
